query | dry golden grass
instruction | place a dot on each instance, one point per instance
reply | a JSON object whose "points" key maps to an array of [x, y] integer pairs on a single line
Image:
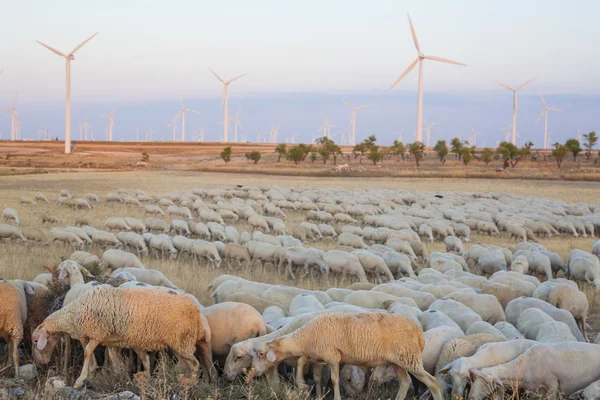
{"points": [[18, 261]]}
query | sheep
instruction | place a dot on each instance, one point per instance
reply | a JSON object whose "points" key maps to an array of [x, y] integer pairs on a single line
{"points": [[134, 241], [163, 245], [114, 259], [425, 230], [153, 209], [157, 320], [458, 312], [423, 300], [79, 202], [591, 392], [230, 286], [39, 196], [463, 231], [231, 323], [238, 252], [13, 315], [66, 237], [484, 327], [11, 232], [555, 332], [27, 200], [136, 225], [402, 246], [327, 231], [259, 223], [520, 264], [260, 304], [347, 264], [398, 263], [303, 304], [454, 245], [149, 276], [300, 256], [11, 215], [492, 262], [335, 338], [113, 198], [116, 224], [530, 322], [585, 269], [568, 298], [34, 235], [567, 369], [106, 239], [286, 294], [52, 219], [372, 299], [487, 306], [487, 227], [82, 234], [132, 201], [85, 259], [489, 354], [156, 225], [432, 319], [206, 250], [179, 227]]}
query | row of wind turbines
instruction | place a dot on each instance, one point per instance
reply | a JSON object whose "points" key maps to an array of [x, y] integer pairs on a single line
{"points": [[325, 128]]}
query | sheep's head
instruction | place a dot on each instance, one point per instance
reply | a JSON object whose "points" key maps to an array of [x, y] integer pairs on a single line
{"points": [[382, 374], [264, 356], [239, 357], [483, 387], [353, 378], [43, 344]]}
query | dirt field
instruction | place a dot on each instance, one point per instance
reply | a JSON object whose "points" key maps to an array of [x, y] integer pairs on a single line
{"points": [[47, 156], [19, 262]]}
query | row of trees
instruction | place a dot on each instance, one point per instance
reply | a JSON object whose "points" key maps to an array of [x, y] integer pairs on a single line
{"points": [[511, 155]]}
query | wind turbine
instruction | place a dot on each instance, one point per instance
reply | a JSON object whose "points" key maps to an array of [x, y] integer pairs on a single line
{"points": [[352, 138], [13, 118], [326, 127], [201, 135], [473, 138], [515, 106], [428, 131], [86, 125], [236, 123], [182, 114], [506, 132], [173, 125], [225, 102], [111, 123], [545, 115], [69, 57], [273, 133], [578, 135], [421, 57], [399, 134]]}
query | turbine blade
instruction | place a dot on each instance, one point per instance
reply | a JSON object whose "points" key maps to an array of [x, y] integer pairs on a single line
{"points": [[444, 60], [414, 34], [238, 113], [193, 111], [406, 72], [181, 102], [82, 44], [525, 84], [346, 103], [15, 100], [556, 109], [502, 84], [239, 123], [541, 115], [217, 76], [52, 49], [236, 78], [543, 101], [363, 106]]}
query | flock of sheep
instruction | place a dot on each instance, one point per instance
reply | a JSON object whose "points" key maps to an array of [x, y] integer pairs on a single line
{"points": [[487, 321]]}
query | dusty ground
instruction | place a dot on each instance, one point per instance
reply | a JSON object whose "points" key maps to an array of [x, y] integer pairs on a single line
{"points": [[47, 156]]}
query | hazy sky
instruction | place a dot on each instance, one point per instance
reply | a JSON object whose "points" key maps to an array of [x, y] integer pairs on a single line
{"points": [[149, 53]]}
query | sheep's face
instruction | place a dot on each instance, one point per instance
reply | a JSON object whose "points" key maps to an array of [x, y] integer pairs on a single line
{"points": [[382, 374], [353, 378], [481, 388], [43, 344], [263, 358], [238, 358]]}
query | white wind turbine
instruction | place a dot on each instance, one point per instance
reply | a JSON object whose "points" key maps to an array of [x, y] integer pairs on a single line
{"points": [[515, 106], [420, 60], [273, 133], [13, 118], [236, 123], [111, 123], [86, 125], [352, 138], [326, 127], [182, 114], [225, 102], [399, 133], [545, 115], [173, 125], [578, 135], [428, 131], [201, 135], [473, 138], [69, 57], [506, 132]]}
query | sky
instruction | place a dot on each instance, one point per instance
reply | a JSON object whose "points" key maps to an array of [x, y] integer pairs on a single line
{"points": [[302, 59]]}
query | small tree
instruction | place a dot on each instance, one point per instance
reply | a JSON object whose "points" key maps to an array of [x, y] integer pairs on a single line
{"points": [[330, 146], [281, 150], [254, 156], [398, 149], [560, 152], [324, 154], [511, 154], [417, 150], [226, 154], [313, 156], [590, 141], [574, 147], [487, 156], [456, 147], [145, 157], [467, 155], [375, 155], [441, 149], [296, 154]]}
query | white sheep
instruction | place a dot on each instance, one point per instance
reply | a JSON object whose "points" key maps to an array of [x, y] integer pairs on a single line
{"points": [[202, 249], [179, 227], [133, 241], [162, 244], [373, 264], [106, 239], [458, 312], [116, 224], [39, 196], [149, 276], [346, 264], [27, 200], [11, 232], [114, 259], [454, 245], [11, 215]]}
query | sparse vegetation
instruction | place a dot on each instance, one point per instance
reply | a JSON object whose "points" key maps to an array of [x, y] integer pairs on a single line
{"points": [[487, 156], [417, 150], [226, 154], [590, 141], [456, 147], [281, 150], [254, 156], [145, 157], [441, 149], [295, 154], [574, 147], [559, 153], [375, 154]]}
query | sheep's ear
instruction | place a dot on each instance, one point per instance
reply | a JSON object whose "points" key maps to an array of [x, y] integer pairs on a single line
{"points": [[86, 272], [43, 340], [475, 373], [271, 356], [354, 376], [251, 352], [63, 273], [446, 368], [28, 288]]}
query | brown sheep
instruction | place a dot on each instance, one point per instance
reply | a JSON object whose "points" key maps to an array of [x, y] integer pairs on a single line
{"points": [[367, 340]]}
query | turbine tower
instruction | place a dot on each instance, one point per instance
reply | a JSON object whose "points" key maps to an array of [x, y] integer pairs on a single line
{"points": [[173, 125], [273, 133], [69, 57], [225, 103], [111, 123], [421, 57], [515, 106], [236, 123], [545, 115], [428, 131], [473, 138], [86, 125], [13, 118], [182, 114], [506, 132], [352, 138], [326, 127]]}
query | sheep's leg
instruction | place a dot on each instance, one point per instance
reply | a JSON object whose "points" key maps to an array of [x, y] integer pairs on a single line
{"points": [[145, 358], [317, 376], [67, 354], [429, 381], [335, 380], [273, 378], [582, 327], [404, 380], [206, 359], [300, 374], [289, 269], [88, 353]]}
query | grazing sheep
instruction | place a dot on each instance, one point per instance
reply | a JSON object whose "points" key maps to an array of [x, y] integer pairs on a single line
{"points": [[11, 215], [260, 304], [116, 224], [206, 250], [149, 276], [180, 227], [157, 320], [13, 315], [492, 262], [454, 245], [346, 264], [398, 263], [303, 257], [106, 239], [458, 312], [423, 300], [114, 259], [134, 241], [113, 198], [487, 306], [373, 264], [27, 200], [84, 259], [162, 245], [52, 219], [39, 196], [35, 235], [337, 338], [237, 252], [66, 237], [11, 232], [153, 209], [574, 301], [156, 225]]}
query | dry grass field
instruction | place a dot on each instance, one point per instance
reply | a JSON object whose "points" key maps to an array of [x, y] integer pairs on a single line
{"points": [[20, 262]]}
